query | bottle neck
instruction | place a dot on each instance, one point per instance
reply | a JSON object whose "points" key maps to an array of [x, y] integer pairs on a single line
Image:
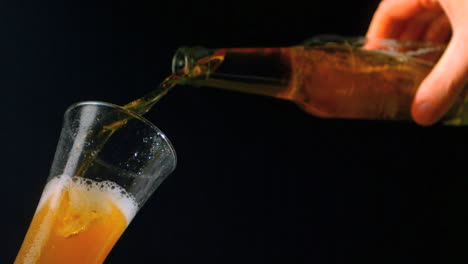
{"points": [[264, 71]]}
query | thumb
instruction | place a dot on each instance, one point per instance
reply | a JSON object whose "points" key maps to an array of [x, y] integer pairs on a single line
{"points": [[444, 84]]}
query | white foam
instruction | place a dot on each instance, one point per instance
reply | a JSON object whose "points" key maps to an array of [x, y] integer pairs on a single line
{"points": [[95, 192]]}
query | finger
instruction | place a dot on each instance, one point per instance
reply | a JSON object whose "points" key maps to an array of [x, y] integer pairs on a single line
{"points": [[417, 26], [391, 15], [456, 12], [388, 29], [439, 30], [444, 84]]}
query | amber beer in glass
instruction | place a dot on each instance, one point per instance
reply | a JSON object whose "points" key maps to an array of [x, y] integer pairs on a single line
{"points": [[99, 179]]}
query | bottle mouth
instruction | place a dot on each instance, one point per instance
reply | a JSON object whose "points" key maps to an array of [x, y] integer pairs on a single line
{"points": [[186, 59], [180, 61]]}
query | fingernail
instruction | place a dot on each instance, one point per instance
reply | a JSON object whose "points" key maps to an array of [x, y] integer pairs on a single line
{"points": [[425, 114]]}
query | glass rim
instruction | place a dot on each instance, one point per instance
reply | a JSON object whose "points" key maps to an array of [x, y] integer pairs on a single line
{"points": [[139, 117]]}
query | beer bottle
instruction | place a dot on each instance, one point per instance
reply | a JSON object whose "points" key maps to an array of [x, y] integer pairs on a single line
{"points": [[327, 76]]}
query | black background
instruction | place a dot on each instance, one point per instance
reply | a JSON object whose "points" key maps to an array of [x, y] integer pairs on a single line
{"points": [[258, 180]]}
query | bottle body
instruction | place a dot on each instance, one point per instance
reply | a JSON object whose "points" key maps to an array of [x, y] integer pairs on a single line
{"points": [[332, 79]]}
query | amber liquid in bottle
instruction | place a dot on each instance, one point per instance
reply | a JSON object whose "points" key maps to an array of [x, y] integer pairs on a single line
{"points": [[345, 78]]}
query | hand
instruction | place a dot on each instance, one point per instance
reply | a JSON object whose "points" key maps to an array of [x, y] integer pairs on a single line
{"points": [[436, 21]]}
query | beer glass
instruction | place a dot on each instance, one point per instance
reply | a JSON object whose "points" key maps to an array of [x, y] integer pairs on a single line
{"points": [[107, 164]]}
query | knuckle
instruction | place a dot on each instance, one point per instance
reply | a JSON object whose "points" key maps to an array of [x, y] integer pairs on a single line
{"points": [[428, 3]]}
